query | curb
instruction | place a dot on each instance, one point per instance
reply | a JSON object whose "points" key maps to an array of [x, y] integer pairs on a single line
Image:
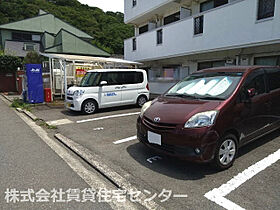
{"points": [[7, 97], [96, 162], [19, 110], [27, 113], [30, 115]]}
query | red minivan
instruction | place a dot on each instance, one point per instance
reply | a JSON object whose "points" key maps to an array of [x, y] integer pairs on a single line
{"points": [[210, 114]]}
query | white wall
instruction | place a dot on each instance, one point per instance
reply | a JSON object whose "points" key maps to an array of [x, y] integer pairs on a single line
{"points": [[229, 26], [141, 7]]}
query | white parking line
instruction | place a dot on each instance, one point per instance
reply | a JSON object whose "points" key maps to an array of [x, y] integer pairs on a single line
{"points": [[108, 117], [217, 195], [126, 140], [181, 196], [60, 122], [98, 129]]}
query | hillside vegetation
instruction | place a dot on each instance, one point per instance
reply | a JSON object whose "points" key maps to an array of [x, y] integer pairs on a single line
{"points": [[107, 28]]}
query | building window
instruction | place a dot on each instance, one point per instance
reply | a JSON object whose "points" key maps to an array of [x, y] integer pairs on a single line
{"points": [[198, 25], [171, 18], [166, 74], [134, 2], [36, 38], [159, 36], [21, 36], [267, 61], [29, 47], [266, 9], [206, 6], [134, 44], [210, 64], [211, 4], [143, 29], [218, 3]]}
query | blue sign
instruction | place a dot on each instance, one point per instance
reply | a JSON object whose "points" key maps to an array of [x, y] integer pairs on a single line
{"points": [[110, 94], [35, 90]]}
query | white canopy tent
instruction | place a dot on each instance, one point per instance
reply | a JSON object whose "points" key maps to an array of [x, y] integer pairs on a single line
{"points": [[80, 58], [63, 58]]}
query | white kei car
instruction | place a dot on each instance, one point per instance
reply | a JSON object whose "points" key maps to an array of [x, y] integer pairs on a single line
{"points": [[104, 88]]}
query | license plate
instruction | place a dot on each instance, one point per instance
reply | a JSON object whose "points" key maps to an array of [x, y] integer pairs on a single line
{"points": [[154, 138]]}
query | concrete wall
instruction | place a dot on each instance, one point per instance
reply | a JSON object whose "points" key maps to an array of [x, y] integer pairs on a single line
{"points": [[17, 48]]}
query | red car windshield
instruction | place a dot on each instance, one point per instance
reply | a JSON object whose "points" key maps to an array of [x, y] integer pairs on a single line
{"points": [[216, 86]]}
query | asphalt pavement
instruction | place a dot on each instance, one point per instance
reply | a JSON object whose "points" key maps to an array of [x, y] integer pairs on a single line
{"points": [[28, 163], [110, 133]]}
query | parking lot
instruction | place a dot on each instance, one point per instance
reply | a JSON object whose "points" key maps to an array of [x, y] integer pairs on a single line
{"points": [[111, 134]]}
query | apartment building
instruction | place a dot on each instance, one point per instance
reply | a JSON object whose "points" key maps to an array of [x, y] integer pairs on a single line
{"points": [[174, 38]]}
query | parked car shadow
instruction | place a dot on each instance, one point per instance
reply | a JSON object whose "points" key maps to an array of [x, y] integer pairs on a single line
{"points": [[169, 166], [184, 170], [119, 108], [71, 113], [105, 110]]}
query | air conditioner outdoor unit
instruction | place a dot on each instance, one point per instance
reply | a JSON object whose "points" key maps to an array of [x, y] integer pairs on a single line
{"points": [[185, 12], [151, 25], [244, 61], [230, 61]]}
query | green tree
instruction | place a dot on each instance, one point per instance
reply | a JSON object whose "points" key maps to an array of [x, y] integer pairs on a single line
{"points": [[32, 57]]}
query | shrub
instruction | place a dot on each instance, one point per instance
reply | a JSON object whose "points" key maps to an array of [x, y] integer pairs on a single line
{"points": [[18, 103], [9, 63], [32, 57]]}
